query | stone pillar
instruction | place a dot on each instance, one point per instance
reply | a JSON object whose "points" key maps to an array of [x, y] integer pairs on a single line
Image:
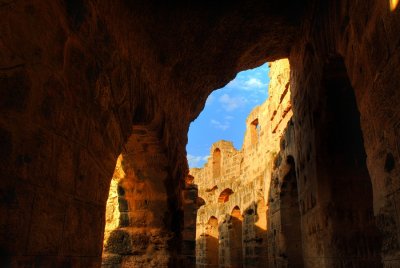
{"points": [[191, 203], [142, 236]]}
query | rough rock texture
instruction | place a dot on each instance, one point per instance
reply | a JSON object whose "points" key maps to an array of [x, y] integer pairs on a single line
{"points": [[344, 83], [116, 202], [131, 236], [78, 77], [137, 237], [233, 184]]}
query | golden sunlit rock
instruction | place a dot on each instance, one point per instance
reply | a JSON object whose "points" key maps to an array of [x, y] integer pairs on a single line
{"points": [[83, 82]]}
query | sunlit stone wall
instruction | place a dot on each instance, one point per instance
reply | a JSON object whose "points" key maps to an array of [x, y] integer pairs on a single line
{"points": [[236, 195]]}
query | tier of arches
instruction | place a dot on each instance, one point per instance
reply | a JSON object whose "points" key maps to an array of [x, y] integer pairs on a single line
{"points": [[340, 208], [234, 239]]}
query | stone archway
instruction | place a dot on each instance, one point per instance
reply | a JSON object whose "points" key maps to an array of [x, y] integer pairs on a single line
{"points": [[76, 75], [224, 195], [291, 244], [235, 238], [344, 183], [141, 228], [216, 157], [212, 244]]}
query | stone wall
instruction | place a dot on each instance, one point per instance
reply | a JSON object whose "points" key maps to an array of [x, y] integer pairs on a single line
{"points": [[135, 233], [234, 183], [345, 103], [81, 79], [77, 76]]}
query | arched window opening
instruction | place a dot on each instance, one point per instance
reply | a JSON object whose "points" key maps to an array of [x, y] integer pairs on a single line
{"points": [[212, 245], [235, 238], [224, 195], [236, 212], [215, 187], [217, 163], [254, 132]]}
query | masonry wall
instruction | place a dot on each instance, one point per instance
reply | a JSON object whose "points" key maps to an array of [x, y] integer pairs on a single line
{"points": [[349, 46], [81, 80], [236, 195]]}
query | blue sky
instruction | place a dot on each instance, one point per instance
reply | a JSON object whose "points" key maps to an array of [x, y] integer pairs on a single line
{"points": [[224, 115]]}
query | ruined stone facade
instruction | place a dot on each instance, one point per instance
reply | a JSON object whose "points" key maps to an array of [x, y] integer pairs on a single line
{"points": [[82, 82], [232, 228]]}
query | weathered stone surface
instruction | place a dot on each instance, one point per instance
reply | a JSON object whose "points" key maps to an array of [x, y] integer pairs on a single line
{"points": [[135, 232], [234, 184], [76, 76]]}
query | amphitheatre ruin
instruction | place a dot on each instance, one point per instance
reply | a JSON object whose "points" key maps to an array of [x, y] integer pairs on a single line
{"points": [[96, 99]]}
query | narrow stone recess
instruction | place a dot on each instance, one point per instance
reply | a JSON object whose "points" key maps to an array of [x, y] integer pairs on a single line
{"points": [[96, 98]]}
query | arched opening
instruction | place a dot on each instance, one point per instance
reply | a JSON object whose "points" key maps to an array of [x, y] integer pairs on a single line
{"points": [[261, 243], [212, 189], [141, 201], [345, 191], [75, 76], [254, 132], [212, 245], [224, 195], [216, 158], [291, 242], [235, 238]]}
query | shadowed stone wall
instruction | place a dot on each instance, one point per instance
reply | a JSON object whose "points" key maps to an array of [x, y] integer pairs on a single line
{"points": [[350, 47], [77, 77]]}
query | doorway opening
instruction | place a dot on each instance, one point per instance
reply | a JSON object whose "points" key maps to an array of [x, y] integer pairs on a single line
{"points": [[291, 221], [342, 171]]}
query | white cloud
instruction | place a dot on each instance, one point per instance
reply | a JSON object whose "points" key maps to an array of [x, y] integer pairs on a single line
{"points": [[219, 125], [247, 83], [254, 83], [196, 160], [231, 103], [229, 117]]}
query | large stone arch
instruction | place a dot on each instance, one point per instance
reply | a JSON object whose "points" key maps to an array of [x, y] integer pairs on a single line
{"points": [[76, 75], [369, 67], [144, 213], [344, 194]]}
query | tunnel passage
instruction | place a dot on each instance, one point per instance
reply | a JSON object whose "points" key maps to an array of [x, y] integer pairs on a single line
{"points": [[344, 182], [74, 76], [292, 250], [139, 236]]}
